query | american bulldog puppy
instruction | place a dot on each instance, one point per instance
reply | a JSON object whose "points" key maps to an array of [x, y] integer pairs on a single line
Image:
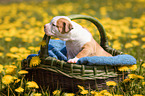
{"points": [[79, 41]]}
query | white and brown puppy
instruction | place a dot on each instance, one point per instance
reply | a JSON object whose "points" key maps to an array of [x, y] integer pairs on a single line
{"points": [[79, 41]]}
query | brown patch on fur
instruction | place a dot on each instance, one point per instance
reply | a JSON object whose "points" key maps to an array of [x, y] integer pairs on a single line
{"points": [[64, 25], [92, 48]]}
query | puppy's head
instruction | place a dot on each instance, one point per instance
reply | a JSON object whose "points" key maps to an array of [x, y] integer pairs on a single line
{"points": [[60, 27]]}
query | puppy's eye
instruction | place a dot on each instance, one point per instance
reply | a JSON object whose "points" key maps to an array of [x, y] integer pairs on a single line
{"points": [[53, 25]]}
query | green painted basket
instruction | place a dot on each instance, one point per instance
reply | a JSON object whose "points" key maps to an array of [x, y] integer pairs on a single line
{"points": [[57, 74]]}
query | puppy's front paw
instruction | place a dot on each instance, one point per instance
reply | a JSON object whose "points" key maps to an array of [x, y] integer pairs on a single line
{"points": [[74, 60]]}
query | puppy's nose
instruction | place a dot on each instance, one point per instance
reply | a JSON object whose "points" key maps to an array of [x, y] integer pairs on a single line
{"points": [[45, 26]]}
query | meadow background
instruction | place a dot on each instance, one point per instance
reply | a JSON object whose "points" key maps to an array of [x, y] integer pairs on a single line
{"points": [[22, 29]]}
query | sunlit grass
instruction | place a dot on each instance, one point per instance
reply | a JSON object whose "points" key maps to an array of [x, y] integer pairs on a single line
{"points": [[21, 31]]}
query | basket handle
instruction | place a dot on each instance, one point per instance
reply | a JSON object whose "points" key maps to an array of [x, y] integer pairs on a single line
{"points": [[44, 49], [103, 39]]}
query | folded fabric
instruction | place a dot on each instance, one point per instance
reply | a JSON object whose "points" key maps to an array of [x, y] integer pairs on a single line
{"points": [[57, 54], [114, 60], [57, 49]]}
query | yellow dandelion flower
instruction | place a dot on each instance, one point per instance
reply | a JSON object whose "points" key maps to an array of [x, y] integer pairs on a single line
{"points": [[126, 80], [56, 92], [128, 45], [10, 66], [37, 39], [143, 46], [37, 49], [23, 50], [81, 87], [139, 77], [133, 67], [23, 72], [10, 70], [143, 83], [116, 45], [103, 11], [57, 39], [42, 43], [141, 1], [31, 48], [7, 79], [137, 95], [14, 49], [35, 61], [131, 76], [15, 56], [1, 68], [15, 77], [32, 84], [143, 39], [143, 65], [105, 93], [136, 43], [9, 54], [134, 76], [117, 95], [13, 63], [8, 39], [133, 36], [98, 94], [1, 54], [37, 94], [84, 92], [54, 11], [123, 68], [18, 80], [2, 48], [19, 90], [95, 93], [111, 83], [69, 94]]}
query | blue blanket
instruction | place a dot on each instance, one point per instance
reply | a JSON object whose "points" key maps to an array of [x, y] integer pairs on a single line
{"points": [[115, 60], [57, 49]]}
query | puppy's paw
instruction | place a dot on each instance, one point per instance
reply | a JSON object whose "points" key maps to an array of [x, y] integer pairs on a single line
{"points": [[74, 60]]}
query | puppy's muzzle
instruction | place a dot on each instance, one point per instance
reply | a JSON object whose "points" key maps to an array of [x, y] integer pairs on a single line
{"points": [[48, 30]]}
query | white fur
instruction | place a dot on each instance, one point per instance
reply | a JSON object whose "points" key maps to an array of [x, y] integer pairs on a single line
{"points": [[75, 39], [74, 60]]}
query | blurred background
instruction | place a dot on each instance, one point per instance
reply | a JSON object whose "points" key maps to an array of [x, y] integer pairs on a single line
{"points": [[115, 9], [22, 21]]}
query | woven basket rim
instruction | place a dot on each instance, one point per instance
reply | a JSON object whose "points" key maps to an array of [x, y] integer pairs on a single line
{"points": [[84, 72]]}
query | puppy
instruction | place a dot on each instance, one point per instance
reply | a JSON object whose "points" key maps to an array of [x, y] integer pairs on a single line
{"points": [[79, 41]]}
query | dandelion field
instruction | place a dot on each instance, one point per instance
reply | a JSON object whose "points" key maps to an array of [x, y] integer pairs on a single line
{"points": [[21, 31]]}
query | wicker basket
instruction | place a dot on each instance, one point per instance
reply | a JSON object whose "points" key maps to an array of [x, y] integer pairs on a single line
{"points": [[57, 74]]}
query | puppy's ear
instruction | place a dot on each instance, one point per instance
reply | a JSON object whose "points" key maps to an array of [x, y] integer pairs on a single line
{"points": [[64, 26]]}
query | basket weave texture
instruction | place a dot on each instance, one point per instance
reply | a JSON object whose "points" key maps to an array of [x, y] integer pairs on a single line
{"points": [[57, 74]]}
